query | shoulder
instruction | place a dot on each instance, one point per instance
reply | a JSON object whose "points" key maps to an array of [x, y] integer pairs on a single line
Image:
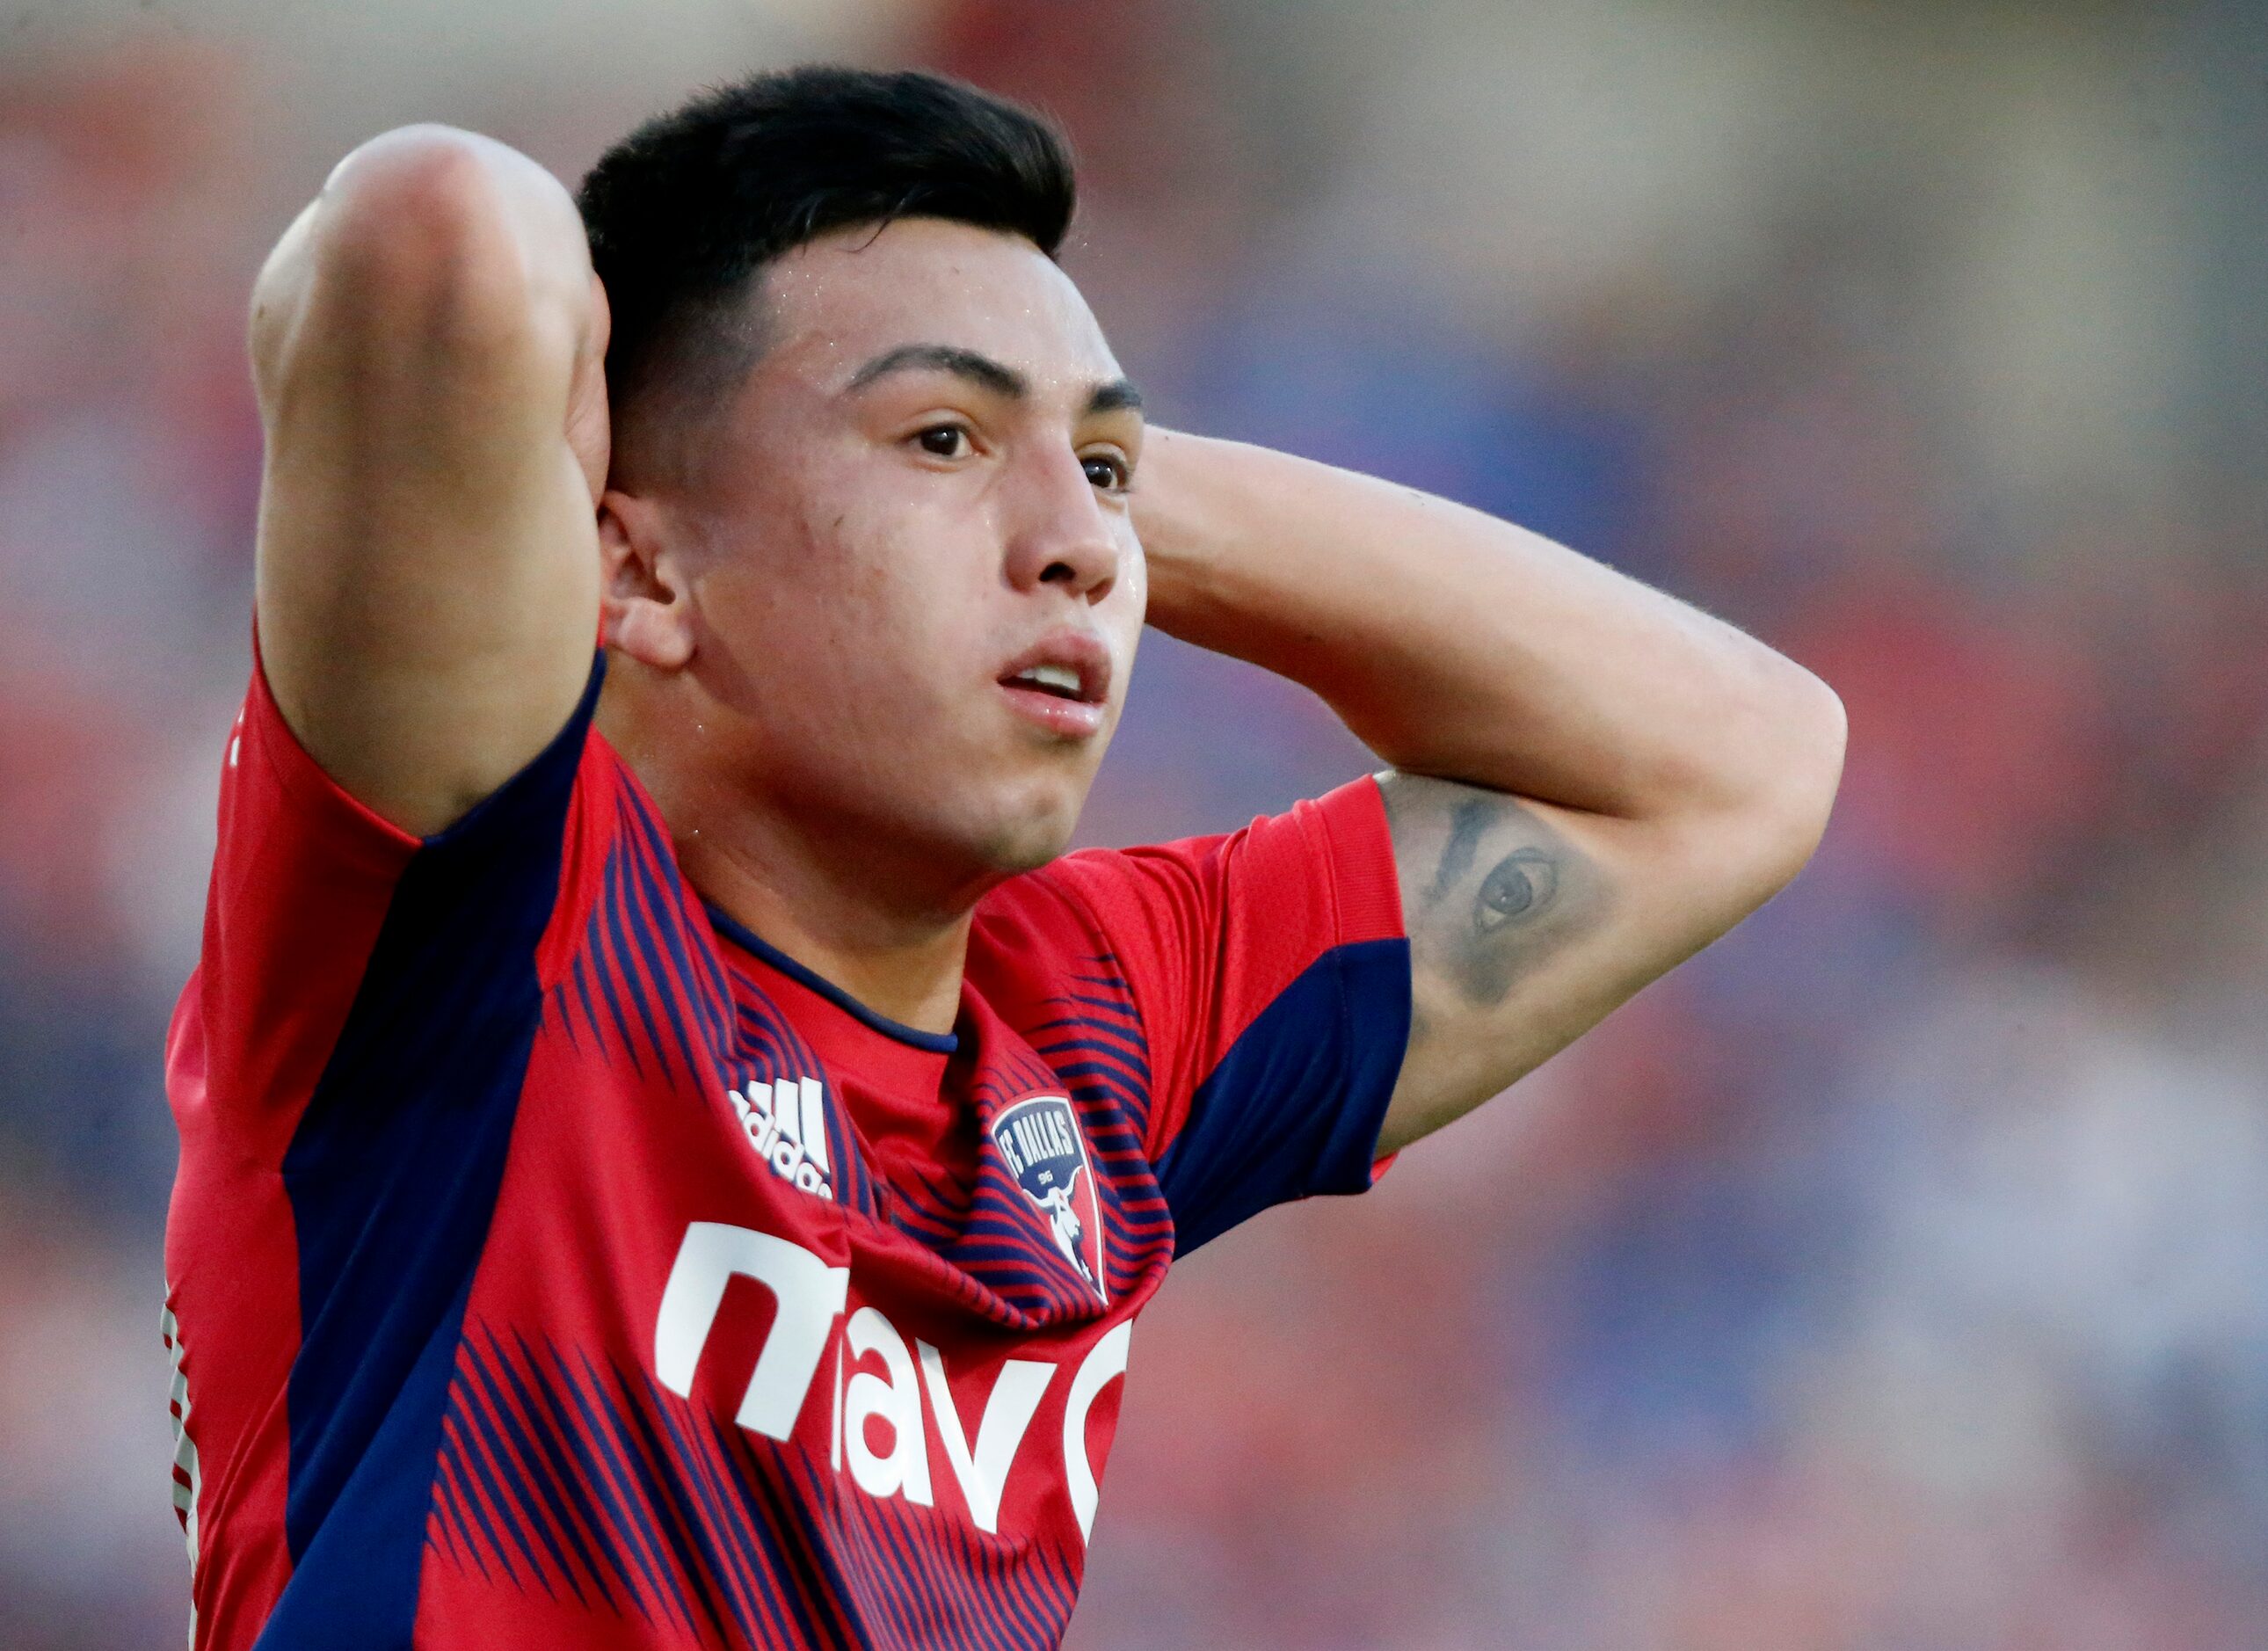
{"points": [[1048, 960], [1114, 905], [1029, 928]]}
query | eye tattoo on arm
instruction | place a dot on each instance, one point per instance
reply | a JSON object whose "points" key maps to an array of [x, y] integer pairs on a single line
{"points": [[1506, 892], [1466, 821], [1522, 884]]}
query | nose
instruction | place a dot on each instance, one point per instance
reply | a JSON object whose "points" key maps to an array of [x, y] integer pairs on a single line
{"points": [[1059, 533]]}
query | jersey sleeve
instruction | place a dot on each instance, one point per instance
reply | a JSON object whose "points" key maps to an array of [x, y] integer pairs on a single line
{"points": [[324, 923], [344, 1070], [1271, 975]]}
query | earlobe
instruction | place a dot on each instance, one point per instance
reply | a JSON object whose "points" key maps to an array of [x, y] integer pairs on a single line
{"points": [[645, 610]]}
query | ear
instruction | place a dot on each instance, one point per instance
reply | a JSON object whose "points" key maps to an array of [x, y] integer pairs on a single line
{"points": [[644, 603]]}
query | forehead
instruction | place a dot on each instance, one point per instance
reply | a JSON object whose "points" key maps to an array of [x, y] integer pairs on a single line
{"points": [[834, 303]]}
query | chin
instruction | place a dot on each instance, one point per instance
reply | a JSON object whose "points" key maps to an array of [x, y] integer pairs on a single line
{"points": [[1030, 837], [1029, 849]]}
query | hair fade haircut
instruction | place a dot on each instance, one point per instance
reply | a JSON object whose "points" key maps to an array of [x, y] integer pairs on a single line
{"points": [[684, 213]]}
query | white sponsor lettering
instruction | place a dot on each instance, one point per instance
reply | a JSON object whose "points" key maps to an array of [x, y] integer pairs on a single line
{"points": [[809, 1295], [1104, 1363], [1007, 1412], [893, 1399], [879, 1430]]}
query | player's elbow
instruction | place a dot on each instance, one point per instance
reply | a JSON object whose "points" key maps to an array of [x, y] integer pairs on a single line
{"points": [[407, 257], [412, 203], [416, 228], [1794, 769], [1729, 848]]}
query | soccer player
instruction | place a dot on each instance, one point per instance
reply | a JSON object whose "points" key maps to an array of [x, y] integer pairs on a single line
{"points": [[672, 1148]]}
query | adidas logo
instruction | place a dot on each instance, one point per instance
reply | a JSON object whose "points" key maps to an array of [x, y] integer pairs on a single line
{"points": [[787, 1126]]}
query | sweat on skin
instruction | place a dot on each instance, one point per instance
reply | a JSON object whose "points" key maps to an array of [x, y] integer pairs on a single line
{"points": [[868, 625]]}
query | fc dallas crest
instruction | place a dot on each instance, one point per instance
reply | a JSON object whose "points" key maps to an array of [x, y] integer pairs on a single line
{"points": [[1044, 1148]]}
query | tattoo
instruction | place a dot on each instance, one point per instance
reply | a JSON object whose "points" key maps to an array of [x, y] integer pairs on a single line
{"points": [[1469, 820], [1478, 931], [1523, 881]]}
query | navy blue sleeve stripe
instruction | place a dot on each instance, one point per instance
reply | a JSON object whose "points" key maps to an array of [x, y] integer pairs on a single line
{"points": [[393, 1175], [1295, 1106]]}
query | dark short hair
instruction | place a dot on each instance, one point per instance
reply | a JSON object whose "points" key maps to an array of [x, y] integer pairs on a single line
{"points": [[684, 213]]}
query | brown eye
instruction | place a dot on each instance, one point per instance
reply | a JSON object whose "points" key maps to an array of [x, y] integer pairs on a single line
{"points": [[943, 441], [1104, 471], [1519, 885]]}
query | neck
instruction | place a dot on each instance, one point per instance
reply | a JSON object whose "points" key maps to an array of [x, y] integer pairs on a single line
{"points": [[826, 915], [853, 903]]}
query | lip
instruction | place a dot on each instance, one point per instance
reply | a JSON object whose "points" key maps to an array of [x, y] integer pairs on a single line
{"points": [[1070, 719]]}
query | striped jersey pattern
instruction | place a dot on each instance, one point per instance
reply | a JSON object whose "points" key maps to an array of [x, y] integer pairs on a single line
{"points": [[555, 1262]]}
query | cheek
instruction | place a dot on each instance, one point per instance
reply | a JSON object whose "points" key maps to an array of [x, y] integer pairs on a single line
{"points": [[870, 596], [1121, 621], [896, 617], [917, 588], [925, 563]]}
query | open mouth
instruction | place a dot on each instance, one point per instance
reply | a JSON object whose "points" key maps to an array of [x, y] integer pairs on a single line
{"points": [[1063, 681], [1062, 684]]}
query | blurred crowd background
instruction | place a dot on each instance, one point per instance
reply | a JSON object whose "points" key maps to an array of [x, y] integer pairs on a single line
{"points": [[1894, 1278]]}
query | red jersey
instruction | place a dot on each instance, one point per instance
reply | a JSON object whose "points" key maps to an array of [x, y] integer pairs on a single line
{"points": [[553, 1262]]}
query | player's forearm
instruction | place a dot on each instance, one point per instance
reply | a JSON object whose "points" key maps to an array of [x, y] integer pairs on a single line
{"points": [[429, 346], [1458, 646]]}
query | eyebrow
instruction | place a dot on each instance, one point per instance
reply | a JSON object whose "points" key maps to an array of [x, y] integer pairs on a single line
{"points": [[983, 371], [1109, 398]]}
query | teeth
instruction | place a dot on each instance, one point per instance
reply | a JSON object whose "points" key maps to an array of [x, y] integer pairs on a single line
{"points": [[1060, 676]]}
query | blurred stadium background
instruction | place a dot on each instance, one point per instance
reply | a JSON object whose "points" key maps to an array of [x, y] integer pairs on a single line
{"points": [[1895, 1277]]}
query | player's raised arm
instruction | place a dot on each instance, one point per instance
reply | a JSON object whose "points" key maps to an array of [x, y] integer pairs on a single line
{"points": [[1595, 780], [428, 343]]}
